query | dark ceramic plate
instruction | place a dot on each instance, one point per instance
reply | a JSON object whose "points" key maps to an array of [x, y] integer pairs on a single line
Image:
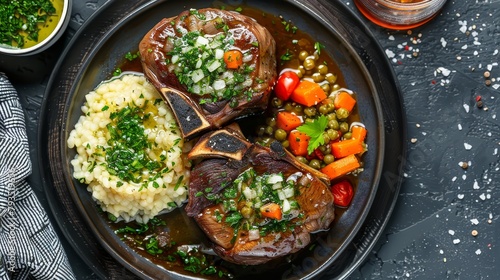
{"points": [[117, 28]]}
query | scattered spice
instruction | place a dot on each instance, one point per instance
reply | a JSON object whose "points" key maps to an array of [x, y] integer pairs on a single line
{"points": [[474, 233], [464, 165], [487, 74], [487, 82]]}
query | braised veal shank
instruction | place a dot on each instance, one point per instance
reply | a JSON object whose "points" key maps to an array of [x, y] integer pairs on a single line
{"points": [[195, 109], [227, 152]]}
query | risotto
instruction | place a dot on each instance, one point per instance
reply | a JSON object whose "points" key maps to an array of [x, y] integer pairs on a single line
{"points": [[129, 150]]}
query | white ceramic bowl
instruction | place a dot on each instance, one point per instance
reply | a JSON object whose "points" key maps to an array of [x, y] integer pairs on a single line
{"points": [[47, 42]]}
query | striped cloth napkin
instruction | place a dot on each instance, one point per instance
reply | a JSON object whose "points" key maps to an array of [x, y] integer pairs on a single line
{"points": [[29, 247]]}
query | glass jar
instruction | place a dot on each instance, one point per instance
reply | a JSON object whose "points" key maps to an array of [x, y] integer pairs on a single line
{"points": [[399, 14]]}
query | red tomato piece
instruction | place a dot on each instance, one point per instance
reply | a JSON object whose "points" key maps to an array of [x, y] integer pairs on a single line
{"points": [[286, 84], [342, 193]]}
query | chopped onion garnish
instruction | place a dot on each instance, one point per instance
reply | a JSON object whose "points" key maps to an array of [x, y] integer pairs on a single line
{"points": [[253, 234]]}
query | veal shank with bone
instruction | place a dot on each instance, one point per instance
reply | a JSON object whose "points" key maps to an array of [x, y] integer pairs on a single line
{"points": [[255, 203], [212, 66]]}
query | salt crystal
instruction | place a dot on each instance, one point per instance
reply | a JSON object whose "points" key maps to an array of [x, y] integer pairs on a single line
{"points": [[443, 42], [389, 53], [464, 177], [489, 67], [482, 196], [490, 216], [476, 53], [460, 196], [478, 251], [474, 221], [464, 47], [441, 252], [488, 196], [466, 107], [454, 179], [495, 151], [451, 232], [467, 146], [476, 185], [459, 127], [456, 241], [463, 28], [444, 71], [391, 37], [495, 52], [496, 86]]}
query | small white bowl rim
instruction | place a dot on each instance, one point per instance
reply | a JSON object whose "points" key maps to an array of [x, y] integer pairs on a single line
{"points": [[63, 21]]}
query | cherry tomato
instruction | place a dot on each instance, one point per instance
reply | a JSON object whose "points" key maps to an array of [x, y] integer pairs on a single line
{"points": [[342, 193], [285, 85]]}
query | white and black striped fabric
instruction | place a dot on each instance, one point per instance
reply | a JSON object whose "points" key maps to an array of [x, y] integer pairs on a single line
{"points": [[29, 247]]}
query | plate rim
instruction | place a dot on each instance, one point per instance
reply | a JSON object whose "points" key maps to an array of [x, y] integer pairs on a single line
{"points": [[145, 5]]}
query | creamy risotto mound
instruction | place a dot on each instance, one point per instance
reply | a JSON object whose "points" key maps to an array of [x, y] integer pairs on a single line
{"points": [[130, 150]]}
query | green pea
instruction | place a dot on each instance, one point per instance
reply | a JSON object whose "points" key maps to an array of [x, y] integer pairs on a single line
{"points": [[332, 134], [342, 113], [288, 107], [315, 163], [276, 102], [309, 64], [298, 109], [323, 109], [335, 87], [331, 78], [326, 138], [317, 77], [347, 135], [322, 69], [310, 111], [333, 124], [302, 69], [325, 87], [303, 55], [269, 130], [344, 127], [280, 134], [330, 107], [328, 159], [302, 159], [331, 116], [285, 144], [246, 212], [323, 148]]}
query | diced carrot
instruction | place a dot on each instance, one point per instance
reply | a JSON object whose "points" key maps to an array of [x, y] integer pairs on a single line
{"points": [[358, 132], [233, 59], [271, 210], [344, 100], [298, 142], [347, 147], [341, 167], [287, 121], [308, 93]]}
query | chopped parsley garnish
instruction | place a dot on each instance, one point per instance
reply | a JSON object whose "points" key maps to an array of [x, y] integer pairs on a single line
{"points": [[318, 46], [286, 56], [127, 154], [198, 63], [21, 20], [315, 130], [131, 56]]}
